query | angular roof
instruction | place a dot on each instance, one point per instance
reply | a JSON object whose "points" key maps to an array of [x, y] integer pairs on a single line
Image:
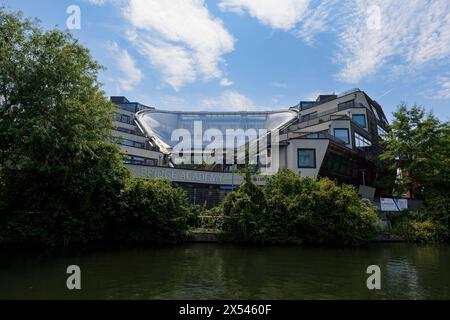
{"points": [[159, 125]]}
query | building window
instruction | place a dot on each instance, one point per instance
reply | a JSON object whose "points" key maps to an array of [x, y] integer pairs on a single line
{"points": [[127, 159], [309, 116], [360, 119], [361, 142], [306, 105], [346, 105], [122, 118], [306, 158], [129, 143], [381, 132], [342, 134], [125, 130]]}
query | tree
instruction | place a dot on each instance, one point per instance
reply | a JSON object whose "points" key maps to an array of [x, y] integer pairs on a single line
{"points": [[150, 211], [60, 169], [418, 145]]}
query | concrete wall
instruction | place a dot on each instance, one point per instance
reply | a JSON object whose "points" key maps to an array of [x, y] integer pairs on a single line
{"points": [[320, 145]]}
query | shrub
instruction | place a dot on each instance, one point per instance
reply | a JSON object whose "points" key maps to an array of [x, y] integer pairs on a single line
{"points": [[428, 225], [290, 209], [319, 211], [427, 231], [151, 211], [241, 213]]}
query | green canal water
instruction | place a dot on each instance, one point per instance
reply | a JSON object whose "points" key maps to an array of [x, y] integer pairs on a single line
{"points": [[213, 271]]}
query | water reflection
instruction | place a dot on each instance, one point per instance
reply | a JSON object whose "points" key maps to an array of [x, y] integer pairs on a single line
{"points": [[200, 271]]}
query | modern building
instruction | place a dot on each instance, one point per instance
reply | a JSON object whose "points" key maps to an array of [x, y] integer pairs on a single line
{"points": [[133, 144], [337, 136]]}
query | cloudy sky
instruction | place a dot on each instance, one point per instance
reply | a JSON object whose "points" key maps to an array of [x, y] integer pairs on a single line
{"points": [[263, 54]]}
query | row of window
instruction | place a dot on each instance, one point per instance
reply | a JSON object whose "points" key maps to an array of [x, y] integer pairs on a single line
{"points": [[125, 130], [123, 118], [309, 116], [127, 159], [129, 131], [132, 107], [346, 105], [129, 143]]}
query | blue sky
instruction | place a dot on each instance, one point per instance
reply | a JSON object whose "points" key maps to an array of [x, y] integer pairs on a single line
{"points": [[263, 54]]}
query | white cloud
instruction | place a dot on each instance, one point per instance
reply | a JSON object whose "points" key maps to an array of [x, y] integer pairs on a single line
{"points": [[97, 2], [175, 62], [399, 35], [280, 85], [229, 101], [279, 14], [225, 82], [443, 89], [131, 75], [322, 16], [193, 37], [414, 32], [313, 96], [174, 103]]}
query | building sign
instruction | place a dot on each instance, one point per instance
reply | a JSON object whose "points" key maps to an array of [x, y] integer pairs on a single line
{"points": [[389, 204], [189, 176]]}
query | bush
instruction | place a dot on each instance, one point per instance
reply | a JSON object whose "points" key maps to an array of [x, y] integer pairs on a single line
{"points": [[437, 207], [428, 225], [151, 211], [242, 212], [319, 211], [427, 231], [290, 209]]}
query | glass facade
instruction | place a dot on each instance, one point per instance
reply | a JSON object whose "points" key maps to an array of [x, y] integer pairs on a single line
{"points": [[381, 132], [306, 158], [161, 124], [361, 142]]}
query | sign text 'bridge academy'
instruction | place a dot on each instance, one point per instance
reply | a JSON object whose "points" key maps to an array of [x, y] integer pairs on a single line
{"points": [[189, 176]]}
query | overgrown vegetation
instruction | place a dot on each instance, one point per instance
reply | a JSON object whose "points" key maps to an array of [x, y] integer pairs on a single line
{"points": [[290, 209], [150, 211], [419, 145]]}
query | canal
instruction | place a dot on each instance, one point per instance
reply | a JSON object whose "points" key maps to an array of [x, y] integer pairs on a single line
{"points": [[214, 271]]}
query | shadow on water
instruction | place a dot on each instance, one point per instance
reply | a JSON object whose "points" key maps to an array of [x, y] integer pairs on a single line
{"points": [[213, 271]]}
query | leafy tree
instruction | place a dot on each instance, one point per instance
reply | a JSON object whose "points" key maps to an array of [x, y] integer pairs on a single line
{"points": [[60, 169], [418, 145], [150, 211]]}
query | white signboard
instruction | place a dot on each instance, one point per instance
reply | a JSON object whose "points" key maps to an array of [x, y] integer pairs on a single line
{"points": [[389, 204], [402, 204]]}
